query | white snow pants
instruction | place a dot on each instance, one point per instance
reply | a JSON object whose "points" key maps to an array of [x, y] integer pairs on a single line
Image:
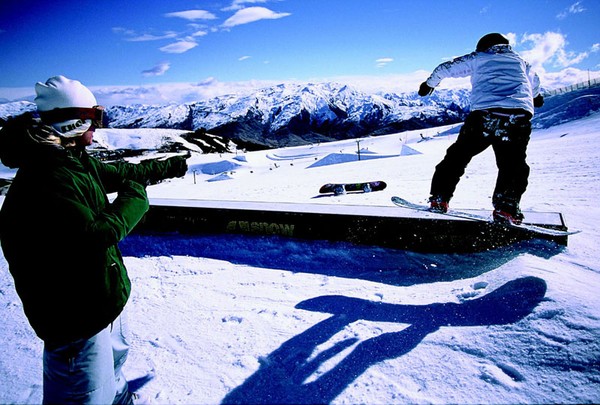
{"points": [[88, 371]]}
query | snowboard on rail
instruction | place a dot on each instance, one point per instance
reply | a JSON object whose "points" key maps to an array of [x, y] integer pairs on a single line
{"points": [[343, 188], [401, 202]]}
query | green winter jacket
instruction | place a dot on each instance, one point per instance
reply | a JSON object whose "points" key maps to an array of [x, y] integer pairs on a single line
{"points": [[59, 231]]}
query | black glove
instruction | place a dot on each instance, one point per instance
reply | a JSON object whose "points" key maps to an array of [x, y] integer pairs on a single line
{"points": [[177, 166], [538, 100], [425, 90]]}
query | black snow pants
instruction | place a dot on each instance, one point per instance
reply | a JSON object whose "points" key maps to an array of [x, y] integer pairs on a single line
{"points": [[507, 131]]}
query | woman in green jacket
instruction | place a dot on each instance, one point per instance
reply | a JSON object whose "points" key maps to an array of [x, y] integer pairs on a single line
{"points": [[59, 233]]}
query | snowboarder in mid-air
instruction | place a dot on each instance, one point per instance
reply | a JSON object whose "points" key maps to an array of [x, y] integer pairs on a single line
{"points": [[504, 93]]}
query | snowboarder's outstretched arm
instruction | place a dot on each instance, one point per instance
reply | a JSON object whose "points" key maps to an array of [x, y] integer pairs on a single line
{"points": [[146, 172], [459, 67]]}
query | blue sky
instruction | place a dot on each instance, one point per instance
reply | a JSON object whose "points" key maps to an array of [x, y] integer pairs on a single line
{"points": [[228, 44]]}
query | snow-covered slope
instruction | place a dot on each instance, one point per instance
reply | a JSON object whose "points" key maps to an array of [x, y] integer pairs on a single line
{"points": [[224, 318]]}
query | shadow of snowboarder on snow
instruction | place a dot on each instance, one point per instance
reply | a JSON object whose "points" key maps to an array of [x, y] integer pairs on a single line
{"points": [[282, 375]]}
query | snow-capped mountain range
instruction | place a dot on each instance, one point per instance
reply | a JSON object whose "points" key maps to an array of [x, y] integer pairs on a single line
{"points": [[291, 114], [295, 114]]}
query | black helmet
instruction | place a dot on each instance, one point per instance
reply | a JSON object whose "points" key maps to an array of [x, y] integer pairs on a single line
{"points": [[489, 40]]}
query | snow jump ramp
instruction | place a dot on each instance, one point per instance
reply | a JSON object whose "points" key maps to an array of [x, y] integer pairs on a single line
{"points": [[386, 226]]}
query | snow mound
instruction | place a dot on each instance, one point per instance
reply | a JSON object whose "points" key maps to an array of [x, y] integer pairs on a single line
{"points": [[408, 151], [221, 177], [215, 167], [337, 158]]}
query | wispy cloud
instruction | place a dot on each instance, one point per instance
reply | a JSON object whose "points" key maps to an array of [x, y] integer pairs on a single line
{"points": [[198, 26], [157, 70], [252, 14], [238, 4], [180, 46], [150, 37], [574, 8], [383, 62], [244, 58], [199, 33], [193, 15], [133, 36]]}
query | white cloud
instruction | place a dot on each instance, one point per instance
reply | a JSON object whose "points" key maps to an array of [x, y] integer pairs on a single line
{"points": [[199, 33], [550, 48], [574, 8], [123, 31], [244, 57], [179, 46], [174, 92], [193, 15], [512, 38], [150, 37], [133, 36], [238, 4], [484, 10], [566, 77], [157, 70], [252, 14], [382, 62]]}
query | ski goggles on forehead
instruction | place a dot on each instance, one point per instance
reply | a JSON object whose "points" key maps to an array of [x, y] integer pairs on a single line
{"points": [[96, 114]]}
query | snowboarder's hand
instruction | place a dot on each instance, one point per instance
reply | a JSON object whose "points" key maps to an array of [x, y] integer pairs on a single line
{"points": [[425, 90], [538, 100], [177, 166]]}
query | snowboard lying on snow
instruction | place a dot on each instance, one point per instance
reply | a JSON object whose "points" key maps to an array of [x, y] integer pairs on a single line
{"points": [[343, 188], [401, 202]]}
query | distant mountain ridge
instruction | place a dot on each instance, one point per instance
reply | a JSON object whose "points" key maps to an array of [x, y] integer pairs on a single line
{"points": [[291, 114], [294, 114]]}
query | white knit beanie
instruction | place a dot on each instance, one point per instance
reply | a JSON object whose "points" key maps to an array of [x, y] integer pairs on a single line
{"points": [[60, 92]]}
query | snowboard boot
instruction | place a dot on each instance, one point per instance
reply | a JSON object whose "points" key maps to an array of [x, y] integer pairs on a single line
{"points": [[508, 218], [438, 204], [508, 212], [339, 190]]}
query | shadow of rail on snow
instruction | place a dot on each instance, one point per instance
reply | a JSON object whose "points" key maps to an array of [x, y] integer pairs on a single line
{"points": [[282, 375], [337, 259]]}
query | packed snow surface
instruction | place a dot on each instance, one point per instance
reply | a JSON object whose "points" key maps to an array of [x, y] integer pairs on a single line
{"points": [[250, 319]]}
